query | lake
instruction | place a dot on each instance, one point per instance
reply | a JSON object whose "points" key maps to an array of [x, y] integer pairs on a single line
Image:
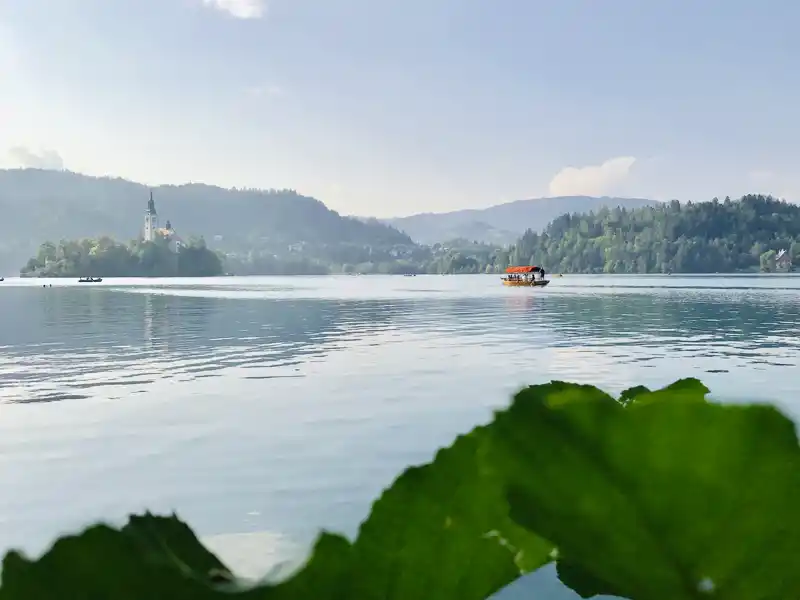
{"points": [[264, 409]]}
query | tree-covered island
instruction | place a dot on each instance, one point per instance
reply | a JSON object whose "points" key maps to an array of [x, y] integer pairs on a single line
{"points": [[159, 252], [105, 257]]}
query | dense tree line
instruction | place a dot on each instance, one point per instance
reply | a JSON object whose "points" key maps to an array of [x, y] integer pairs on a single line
{"points": [[105, 257], [462, 256], [705, 237], [459, 256]]}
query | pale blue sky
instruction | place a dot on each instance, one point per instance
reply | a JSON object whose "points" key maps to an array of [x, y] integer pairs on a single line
{"points": [[388, 108]]}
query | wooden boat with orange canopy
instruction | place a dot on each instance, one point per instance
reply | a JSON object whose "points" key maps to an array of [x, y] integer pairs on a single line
{"points": [[525, 276]]}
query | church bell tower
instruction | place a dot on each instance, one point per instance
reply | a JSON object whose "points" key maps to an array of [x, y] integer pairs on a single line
{"points": [[150, 220]]}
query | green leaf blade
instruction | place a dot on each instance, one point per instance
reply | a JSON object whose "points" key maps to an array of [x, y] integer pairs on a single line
{"points": [[651, 498], [442, 531], [100, 563]]}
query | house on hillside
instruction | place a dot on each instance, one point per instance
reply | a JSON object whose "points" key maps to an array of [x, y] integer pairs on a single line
{"points": [[783, 262]]}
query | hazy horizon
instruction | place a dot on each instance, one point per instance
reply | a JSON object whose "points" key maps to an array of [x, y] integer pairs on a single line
{"points": [[390, 110]]}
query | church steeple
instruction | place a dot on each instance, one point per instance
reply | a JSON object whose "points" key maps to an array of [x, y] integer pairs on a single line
{"points": [[150, 220]]}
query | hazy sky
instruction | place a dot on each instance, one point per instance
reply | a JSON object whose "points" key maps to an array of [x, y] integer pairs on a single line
{"points": [[386, 108]]}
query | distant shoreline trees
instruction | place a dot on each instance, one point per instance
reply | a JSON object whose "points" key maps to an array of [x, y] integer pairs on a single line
{"points": [[694, 237]]}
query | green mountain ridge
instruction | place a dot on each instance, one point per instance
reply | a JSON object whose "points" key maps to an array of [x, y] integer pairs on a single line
{"points": [[53, 205]]}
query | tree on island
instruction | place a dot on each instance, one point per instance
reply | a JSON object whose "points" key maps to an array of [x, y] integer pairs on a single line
{"points": [[105, 257]]}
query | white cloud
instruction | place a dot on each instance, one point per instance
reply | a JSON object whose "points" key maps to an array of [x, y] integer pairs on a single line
{"points": [[240, 9], [592, 180], [20, 156]]}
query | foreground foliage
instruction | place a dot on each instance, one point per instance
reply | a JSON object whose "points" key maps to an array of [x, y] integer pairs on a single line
{"points": [[655, 495]]}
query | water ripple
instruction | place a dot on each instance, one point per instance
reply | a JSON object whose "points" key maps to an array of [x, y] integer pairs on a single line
{"points": [[286, 404], [132, 334]]}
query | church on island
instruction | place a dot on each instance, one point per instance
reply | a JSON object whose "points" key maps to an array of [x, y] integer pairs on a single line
{"points": [[152, 231]]}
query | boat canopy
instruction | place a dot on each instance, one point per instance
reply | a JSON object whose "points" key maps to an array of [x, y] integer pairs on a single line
{"points": [[523, 269]]}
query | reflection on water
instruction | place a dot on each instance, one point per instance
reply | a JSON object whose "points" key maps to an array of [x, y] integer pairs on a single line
{"points": [[64, 344], [284, 404], [77, 341], [714, 330]]}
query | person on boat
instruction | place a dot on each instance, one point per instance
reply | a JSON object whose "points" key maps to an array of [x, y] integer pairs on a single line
{"points": [[542, 272]]}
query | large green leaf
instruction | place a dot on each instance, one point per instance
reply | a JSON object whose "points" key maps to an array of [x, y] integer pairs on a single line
{"points": [[171, 542], [442, 531], [683, 390], [629, 396], [327, 575], [160, 558], [687, 389], [103, 563], [659, 500]]}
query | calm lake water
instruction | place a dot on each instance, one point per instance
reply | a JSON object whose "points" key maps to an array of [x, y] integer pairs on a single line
{"points": [[278, 406]]}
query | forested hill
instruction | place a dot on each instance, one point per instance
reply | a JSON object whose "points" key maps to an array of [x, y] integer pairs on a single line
{"points": [[705, 237], [39, 205]]}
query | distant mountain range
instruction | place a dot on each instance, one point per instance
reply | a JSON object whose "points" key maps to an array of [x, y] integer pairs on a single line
{"points": [[503, 223]]}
